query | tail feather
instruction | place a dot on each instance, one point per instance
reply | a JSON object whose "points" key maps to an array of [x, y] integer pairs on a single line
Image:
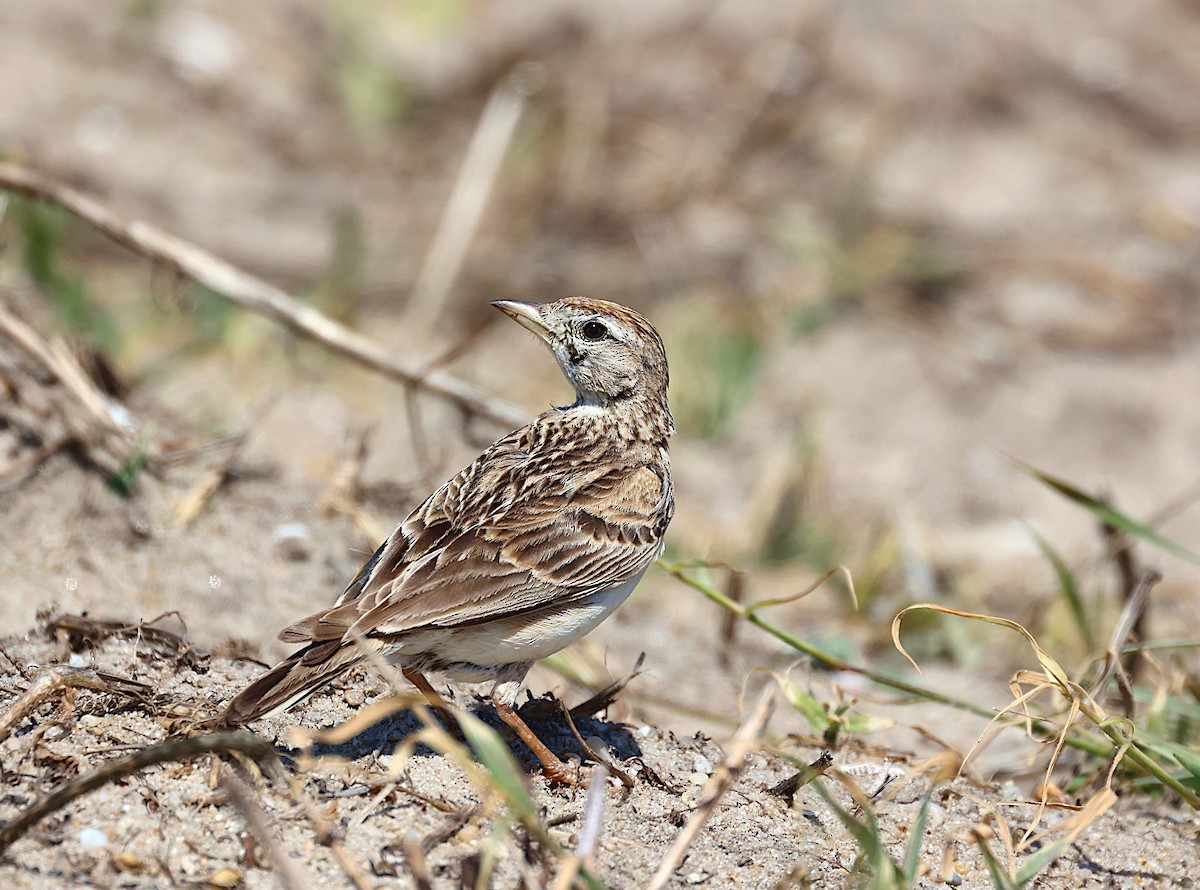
{"points": [[290, 682]]}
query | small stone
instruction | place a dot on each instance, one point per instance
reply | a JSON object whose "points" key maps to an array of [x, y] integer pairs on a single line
{"points": [[77, 660], [92, 839], [468, 834], [226, 878], [127, 860], [354, 697], [697, 778], [293, 541]]}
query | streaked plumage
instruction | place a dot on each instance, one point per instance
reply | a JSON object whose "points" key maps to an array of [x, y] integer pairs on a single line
{"points": [[525, 550]]}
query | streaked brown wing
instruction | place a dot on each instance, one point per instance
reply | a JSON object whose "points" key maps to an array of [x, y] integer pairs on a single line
{"points": [[541, 550]]}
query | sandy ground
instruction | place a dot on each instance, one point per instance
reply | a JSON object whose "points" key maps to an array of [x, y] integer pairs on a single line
{"points": [[783, 173], [170, 825]]}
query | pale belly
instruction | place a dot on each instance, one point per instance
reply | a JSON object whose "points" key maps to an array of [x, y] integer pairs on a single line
{"points": [[521, 638]]}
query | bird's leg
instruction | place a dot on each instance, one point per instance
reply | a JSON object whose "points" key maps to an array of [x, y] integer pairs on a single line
{"points": [[414, 676], [503, 693]]}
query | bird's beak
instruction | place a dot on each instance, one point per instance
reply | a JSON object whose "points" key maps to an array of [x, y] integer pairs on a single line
{"points": [[527, 315]]}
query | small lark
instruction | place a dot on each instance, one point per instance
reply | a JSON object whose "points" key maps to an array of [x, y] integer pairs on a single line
{"points": [[524, 551]]}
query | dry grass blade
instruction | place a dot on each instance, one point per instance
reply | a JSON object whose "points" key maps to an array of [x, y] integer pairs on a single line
{"points": [[414, 853], [493, 134], [1053, 676], [254, 294], [1052, 668], [1119, 733], [722, 779], [589, 835], [176, 749], [1130, 616], [203, 489], [791, 598], [109, 432], [290, 873], [606, 696]]}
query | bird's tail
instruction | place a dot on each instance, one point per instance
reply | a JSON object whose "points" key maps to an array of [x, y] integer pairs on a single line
{"points": [[291, 681]]}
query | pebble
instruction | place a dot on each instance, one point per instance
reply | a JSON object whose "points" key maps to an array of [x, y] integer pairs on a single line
{"points": [[354, 697], [293, 541], [92, 839], [226, 877], [469, 833], [77, 660]]}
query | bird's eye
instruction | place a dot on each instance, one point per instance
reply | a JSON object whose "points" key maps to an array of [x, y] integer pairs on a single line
{"points": [[594, 330]]}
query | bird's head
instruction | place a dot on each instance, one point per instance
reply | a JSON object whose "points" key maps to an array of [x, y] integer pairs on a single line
{"points": [[609, 353]]}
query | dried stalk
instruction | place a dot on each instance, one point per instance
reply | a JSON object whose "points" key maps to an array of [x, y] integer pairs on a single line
{"points": [[176, 749], [255, 294], [54, 679], [744, 741], [464, 209], [106, 429], [291, 874]]}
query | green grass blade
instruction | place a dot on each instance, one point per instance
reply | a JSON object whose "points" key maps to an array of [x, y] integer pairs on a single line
{"points": [[508, 779], [1001, 879], [885, 874], [916, 838], [814, 712], [1189, 759], [1033, 866], [1070, 590], [499, 762], [1108, 515]]}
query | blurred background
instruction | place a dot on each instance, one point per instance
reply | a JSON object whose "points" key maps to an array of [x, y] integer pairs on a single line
{"points": [[890, 246]]}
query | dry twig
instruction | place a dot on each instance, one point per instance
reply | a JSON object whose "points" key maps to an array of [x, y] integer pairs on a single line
{"points": [[175, 749], [54, 679], [203, 489], [718, 784], [255, 294], [106, 429], [493, 134], [78, 631], [291, 875]]}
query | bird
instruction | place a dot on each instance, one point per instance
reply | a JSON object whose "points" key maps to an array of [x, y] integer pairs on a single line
{"points": [[522, 552]]}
